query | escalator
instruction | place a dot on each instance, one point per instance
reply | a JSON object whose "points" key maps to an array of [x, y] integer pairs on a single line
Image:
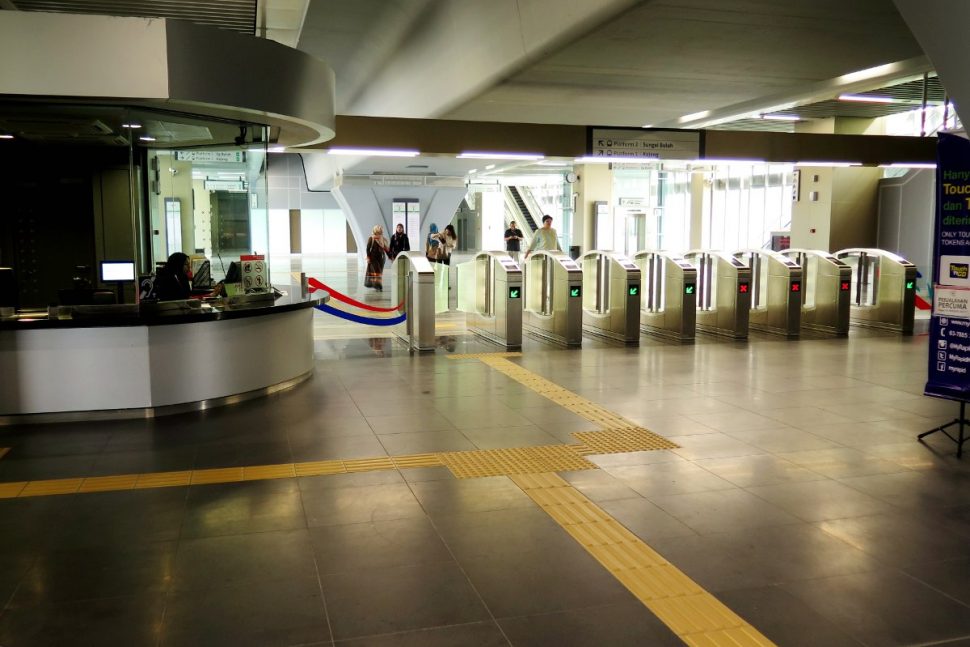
{"points": [[523, 209]]}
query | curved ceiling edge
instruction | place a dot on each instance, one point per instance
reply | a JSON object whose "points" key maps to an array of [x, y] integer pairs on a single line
{"points": [[170, 64]]}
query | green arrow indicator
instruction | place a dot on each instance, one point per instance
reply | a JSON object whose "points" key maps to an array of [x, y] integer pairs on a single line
{"points": [[574, 292], [688, 289], [634, 290], [513, 293], [910, 285]]}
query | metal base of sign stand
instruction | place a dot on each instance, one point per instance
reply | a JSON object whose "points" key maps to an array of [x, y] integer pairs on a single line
{"points": [[961, 422]]}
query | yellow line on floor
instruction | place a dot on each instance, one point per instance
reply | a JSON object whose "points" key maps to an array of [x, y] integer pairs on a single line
{"points": [[692, 613]]}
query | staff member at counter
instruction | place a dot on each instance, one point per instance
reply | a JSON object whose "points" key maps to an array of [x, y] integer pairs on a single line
{"points": [[172, 281]]}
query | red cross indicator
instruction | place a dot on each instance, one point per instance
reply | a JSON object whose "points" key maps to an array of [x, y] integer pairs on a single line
{"points": [[796, 286], [742, 288], [844, 286]]}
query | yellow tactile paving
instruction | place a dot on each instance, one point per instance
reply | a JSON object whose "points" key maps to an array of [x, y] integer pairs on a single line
{"points": [[12, 490], [516, 460], [695, 615], [319, 468], [48, 488], [264, 472], [220, 475], [622, 440], [480, 355], [369, 464], [108, 483], [416, 460], [163, 479]]}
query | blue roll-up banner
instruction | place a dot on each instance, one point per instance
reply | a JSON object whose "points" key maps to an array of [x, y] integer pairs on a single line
{"points": [[949, 365]]}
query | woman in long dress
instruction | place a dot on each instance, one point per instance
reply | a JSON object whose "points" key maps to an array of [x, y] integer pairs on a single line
{"points": [[376, 252]]}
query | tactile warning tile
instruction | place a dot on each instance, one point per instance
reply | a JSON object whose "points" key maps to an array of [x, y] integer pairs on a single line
{"points": [[622, 440], [695, 615], [481, 355], [516, 460], [108, 483], [416, 460]]}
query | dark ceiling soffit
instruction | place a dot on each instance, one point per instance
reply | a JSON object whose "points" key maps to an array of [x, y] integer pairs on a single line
{"points": [[446, 137]]}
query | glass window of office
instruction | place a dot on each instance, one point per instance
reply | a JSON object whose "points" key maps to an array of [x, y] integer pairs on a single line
{"points": [[94, 183]]}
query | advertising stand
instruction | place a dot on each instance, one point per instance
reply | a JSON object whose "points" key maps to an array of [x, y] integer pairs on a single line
{"points": [[949, 353]]}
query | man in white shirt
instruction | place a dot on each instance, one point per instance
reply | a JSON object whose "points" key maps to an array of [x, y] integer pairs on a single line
{"points": [[545, 238]]}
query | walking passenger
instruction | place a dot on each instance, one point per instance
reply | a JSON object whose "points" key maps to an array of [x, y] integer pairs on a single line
{"points": [[376, 249], [399, 242], [513, 236], [448, 241], [545, 238]]}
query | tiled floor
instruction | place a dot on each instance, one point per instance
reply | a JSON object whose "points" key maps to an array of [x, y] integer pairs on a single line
{"points": [[798, 496]]}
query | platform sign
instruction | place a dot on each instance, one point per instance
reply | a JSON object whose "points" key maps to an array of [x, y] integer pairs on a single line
{"points": [[644, 143], [949, 360]]}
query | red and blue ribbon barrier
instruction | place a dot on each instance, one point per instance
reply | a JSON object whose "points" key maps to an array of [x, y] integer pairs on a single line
{"points": [[343, 298]]}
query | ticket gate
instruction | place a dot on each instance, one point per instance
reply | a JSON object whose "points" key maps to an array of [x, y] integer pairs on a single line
{"points": [[723, 293], [414, 285], [668, 308], [611, 297], [776, 292], [826, 290], [553, 298], [490, 293], [884, 294]]}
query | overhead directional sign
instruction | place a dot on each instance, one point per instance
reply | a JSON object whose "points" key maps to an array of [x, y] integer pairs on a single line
{"points": [[644, 143]]}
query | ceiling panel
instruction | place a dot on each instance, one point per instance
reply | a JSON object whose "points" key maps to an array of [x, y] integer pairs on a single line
{"points": [[233, 15]]}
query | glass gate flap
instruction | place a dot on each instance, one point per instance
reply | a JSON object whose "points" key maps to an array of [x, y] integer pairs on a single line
{"points": [[669, 295], [490, 293], [611, 296], [885, 289]]}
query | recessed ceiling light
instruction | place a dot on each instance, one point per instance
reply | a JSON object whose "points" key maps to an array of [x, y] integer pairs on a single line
{"points": [[604, 159], [276, 149], [489, 167], [728, 160], [374, 152], [867, 98], [147, 138], [551, 163], [6, 136], [908, 165], [131, 125], [781, 117], [694, 116], [474, 170], [500, 156], [825, 163]]}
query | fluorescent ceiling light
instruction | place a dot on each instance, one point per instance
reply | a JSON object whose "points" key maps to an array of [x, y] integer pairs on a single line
{"points": [[866, 74], [474, 170], [782, 117], [500, 156], [551, 163], [824, 163], [867, 98], [489, 167], [276, 149], [6, 136], [729, 160], [694, 116], [908, 165], [131, 125], [374, 152], [147, 138], [602, 159], [647, 126]]}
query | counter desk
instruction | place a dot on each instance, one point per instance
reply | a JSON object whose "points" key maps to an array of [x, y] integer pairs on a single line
{"points": [[125, 361]]}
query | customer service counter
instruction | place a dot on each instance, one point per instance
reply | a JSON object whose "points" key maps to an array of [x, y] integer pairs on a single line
{"points": [[96, 362]]}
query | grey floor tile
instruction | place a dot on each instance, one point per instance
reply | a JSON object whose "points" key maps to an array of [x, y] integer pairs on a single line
{"points": [[645, 519], [480, 634], [841, 462], [257, 614], [425, 442], [669, 478], [239, 508], [469, 495], [499, 534], [716, 445], [236, 560], [381, 601], [722, 510], [951, 576], [132, 620], [334, 506], [381, 544], [885, 608], [499, 438], [628, 623], [913, 540], [599, 485], [747, 471], [820, 500], [915, 489]]}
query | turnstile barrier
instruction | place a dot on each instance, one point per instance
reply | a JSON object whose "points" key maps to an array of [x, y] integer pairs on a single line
{"points": [[490, 293], [723, 293], [553, 298], [669, 296], [776, 292], [884, 294], [826, 290], [611, 296], [414, 285]]}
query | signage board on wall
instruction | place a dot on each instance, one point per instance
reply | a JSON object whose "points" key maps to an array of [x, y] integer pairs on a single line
{"points": [[211, 156], [949, 360], [225, 185], [644, 143]]}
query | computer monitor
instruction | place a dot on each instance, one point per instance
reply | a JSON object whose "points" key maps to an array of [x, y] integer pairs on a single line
{"points": [[117, 271]]}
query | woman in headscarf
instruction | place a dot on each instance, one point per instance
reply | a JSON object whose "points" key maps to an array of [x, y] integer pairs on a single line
{"points": [[431, 244], [172, 281], [399, 242], [376, 251]]}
